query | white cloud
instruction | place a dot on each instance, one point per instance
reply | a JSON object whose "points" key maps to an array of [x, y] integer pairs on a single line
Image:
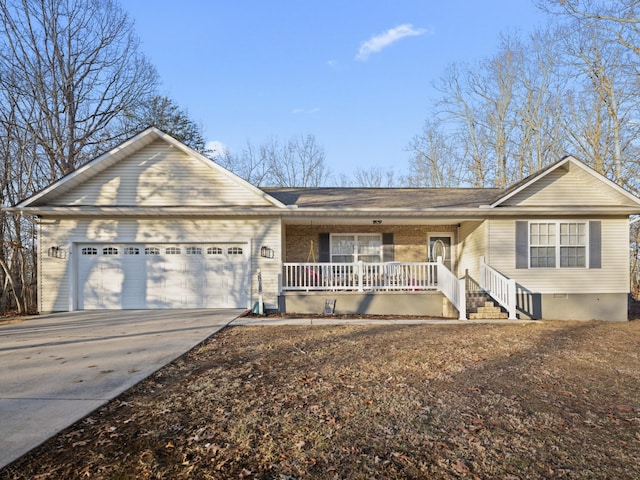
{"points": [[379, 42], [298, 111]]}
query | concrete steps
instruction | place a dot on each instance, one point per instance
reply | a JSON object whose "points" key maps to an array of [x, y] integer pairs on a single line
{"points": [[480, 307]]}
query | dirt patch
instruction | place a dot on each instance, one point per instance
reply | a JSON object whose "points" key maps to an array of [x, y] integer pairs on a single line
{"points": [[534, 400]]}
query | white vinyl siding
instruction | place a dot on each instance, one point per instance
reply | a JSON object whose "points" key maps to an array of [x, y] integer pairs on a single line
{"points": [[472, 244], [575, 187], [161, 175], [55, 274], [612, 277]]}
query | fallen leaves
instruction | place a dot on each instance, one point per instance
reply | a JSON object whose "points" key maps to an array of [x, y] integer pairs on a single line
{"points": [[514, 401]]}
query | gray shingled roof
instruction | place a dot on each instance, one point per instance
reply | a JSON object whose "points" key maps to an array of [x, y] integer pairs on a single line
{"points": [[410, 198]]}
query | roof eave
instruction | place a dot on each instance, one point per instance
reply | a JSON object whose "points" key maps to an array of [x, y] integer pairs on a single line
{"points": [[235, 210]]}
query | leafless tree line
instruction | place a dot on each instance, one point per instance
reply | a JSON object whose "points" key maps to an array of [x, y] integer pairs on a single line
{"points": [[569, 88], [74, 83], [69, 70]]}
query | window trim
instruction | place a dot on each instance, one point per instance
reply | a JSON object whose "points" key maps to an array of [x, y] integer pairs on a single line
{"points": [[356, 255], [558, 245]]}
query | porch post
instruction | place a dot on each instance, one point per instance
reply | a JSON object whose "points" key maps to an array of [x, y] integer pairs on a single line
{"points": [[462, 283], [512, 299], [360, 275]]}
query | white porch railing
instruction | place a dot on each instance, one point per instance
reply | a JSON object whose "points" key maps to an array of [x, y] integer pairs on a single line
{"points": [[360, 276], [501, 288], [388, 276]]}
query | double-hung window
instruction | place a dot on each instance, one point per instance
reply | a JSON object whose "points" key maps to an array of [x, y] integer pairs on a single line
{"points": [[350, 248], [558, 244]]}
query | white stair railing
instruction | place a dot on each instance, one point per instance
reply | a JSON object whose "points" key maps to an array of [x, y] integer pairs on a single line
{"points": [[499, 287], [453, 288]]}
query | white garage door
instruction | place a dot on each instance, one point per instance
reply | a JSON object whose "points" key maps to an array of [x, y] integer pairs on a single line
{"points": [[137, 276]]}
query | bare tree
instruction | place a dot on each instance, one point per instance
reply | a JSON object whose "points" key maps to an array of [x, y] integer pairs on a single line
{"points": [[610, 90], [435, 161], [299, 162], [461, 111], [618, 18], [248, 165], [375, 177], [69, 69], [540, 127]]}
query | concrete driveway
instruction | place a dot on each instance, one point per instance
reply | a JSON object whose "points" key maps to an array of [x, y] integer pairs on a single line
{"points": [[56, 369]]}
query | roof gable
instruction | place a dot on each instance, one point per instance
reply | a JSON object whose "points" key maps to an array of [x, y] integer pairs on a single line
{"points": [[152, 169], [567, 183]]}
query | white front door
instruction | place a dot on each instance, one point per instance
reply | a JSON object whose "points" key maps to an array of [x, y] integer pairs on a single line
{"points": [[441, 245]]}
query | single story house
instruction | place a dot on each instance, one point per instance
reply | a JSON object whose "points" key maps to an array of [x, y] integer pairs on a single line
{"points": [[153, 224]]}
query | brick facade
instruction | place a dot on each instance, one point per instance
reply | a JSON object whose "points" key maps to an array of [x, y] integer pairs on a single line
{"points": [[410, 241]]}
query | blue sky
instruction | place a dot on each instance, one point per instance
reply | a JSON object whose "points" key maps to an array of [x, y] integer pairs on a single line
{"points": [[355, 74]]}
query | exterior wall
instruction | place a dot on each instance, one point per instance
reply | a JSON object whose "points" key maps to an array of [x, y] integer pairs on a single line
{"points": [[55, 274], [410, 241], [567, 293], [605, 306], [472, 244], [160, 175], [427, 304], [613, 277]]}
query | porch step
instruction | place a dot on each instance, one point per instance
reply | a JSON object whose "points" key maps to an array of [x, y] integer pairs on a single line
{"points": [[479, 307], [488, 312]]}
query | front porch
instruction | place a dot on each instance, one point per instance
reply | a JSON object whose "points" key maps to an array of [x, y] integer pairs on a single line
{"points": [[389, 288], [425, 268]]}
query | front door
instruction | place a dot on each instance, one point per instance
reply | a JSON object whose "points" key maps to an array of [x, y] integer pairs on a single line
{"points": [[440, 246]]}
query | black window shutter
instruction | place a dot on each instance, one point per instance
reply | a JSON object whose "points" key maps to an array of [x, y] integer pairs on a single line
{"points": [[323, 243], [387, 247], [522, 244], [595, 244]]}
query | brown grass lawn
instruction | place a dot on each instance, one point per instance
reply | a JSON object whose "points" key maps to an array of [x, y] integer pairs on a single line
{"points": [[535, 400]]}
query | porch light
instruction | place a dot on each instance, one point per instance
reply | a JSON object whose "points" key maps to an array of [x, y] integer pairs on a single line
{"points": [[377, 222]]}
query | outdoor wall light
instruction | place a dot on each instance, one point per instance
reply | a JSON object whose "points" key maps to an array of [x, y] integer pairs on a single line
{"points": [[377, 222], [267, 252], [56, 252]]}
